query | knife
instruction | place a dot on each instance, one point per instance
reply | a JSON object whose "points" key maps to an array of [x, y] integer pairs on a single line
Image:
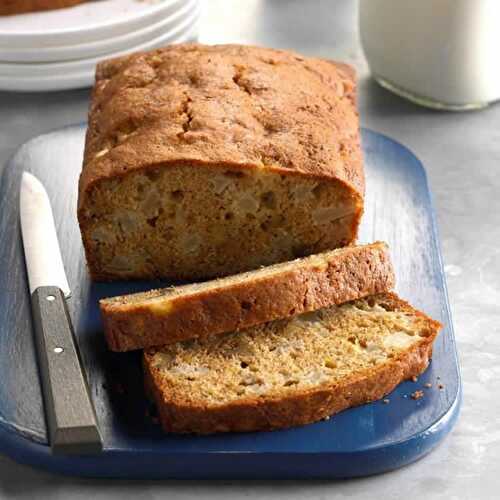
{"points": [[69, 412]]}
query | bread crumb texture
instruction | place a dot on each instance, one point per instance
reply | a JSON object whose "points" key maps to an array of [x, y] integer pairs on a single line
{"points": [[206, 161], [315, 350]]}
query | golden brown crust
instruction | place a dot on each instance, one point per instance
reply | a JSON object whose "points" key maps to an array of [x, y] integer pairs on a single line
{"points": [[238, 106], [347, 274], [300, 408], [215, 110], [10, 7]]}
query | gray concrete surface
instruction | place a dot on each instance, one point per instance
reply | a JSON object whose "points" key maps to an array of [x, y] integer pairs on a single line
{"points": [[461, 153]]}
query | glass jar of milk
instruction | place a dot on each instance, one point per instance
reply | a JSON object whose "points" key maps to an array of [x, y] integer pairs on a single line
{"points": [[439, 53]]}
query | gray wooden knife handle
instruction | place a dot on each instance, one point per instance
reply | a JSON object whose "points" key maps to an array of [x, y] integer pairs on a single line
{"points": [[69, 411]]}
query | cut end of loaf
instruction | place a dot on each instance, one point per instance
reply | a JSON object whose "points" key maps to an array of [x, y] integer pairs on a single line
{"points": [[204, 161], [193, 222], [321, 362]]}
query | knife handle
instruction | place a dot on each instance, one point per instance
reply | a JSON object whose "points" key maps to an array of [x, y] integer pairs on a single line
{"points": [[69, 411]]}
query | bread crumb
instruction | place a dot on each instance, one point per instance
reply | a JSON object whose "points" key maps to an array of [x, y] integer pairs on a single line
{"points": [[417, 395], [386, 401], [327, 417], [428, 385], [440, 386], [414, 378]]}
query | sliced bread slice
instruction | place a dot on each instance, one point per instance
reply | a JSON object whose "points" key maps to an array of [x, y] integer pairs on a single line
{"points": [[290, 372], [195, 311]]}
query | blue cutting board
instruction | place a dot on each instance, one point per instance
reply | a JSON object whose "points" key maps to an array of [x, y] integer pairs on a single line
{"points": [[373, 438]]}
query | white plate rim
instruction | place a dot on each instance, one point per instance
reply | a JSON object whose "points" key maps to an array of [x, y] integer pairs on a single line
{"points": [[23, 36], [168, 38], [94, 48], [79, 80]]}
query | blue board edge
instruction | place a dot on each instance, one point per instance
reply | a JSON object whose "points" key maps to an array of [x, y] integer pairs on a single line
{"points": [[220, 465], [118, 463]]}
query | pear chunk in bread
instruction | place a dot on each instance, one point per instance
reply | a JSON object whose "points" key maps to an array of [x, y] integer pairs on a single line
{"points": [[290, 372]]}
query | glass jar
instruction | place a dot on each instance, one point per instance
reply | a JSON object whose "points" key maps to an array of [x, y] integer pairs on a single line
{"points": [[439, 53]]}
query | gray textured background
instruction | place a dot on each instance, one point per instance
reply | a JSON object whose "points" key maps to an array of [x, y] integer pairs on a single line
{"points": [[461, 153]]}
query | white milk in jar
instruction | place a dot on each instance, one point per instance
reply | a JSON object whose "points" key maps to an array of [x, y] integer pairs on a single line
{"points": [[439, 53]]}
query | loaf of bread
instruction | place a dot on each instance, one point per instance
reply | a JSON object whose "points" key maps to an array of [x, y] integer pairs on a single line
{"points": [[205, 161], [290, 372], [10, 7], [229, 304]]}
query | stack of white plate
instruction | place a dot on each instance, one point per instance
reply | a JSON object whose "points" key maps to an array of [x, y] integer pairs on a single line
{"points": [[59, 49]]}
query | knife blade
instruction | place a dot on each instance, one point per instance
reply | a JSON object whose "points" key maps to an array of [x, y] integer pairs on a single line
{"points": [[69, 411], [43, 260]]}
